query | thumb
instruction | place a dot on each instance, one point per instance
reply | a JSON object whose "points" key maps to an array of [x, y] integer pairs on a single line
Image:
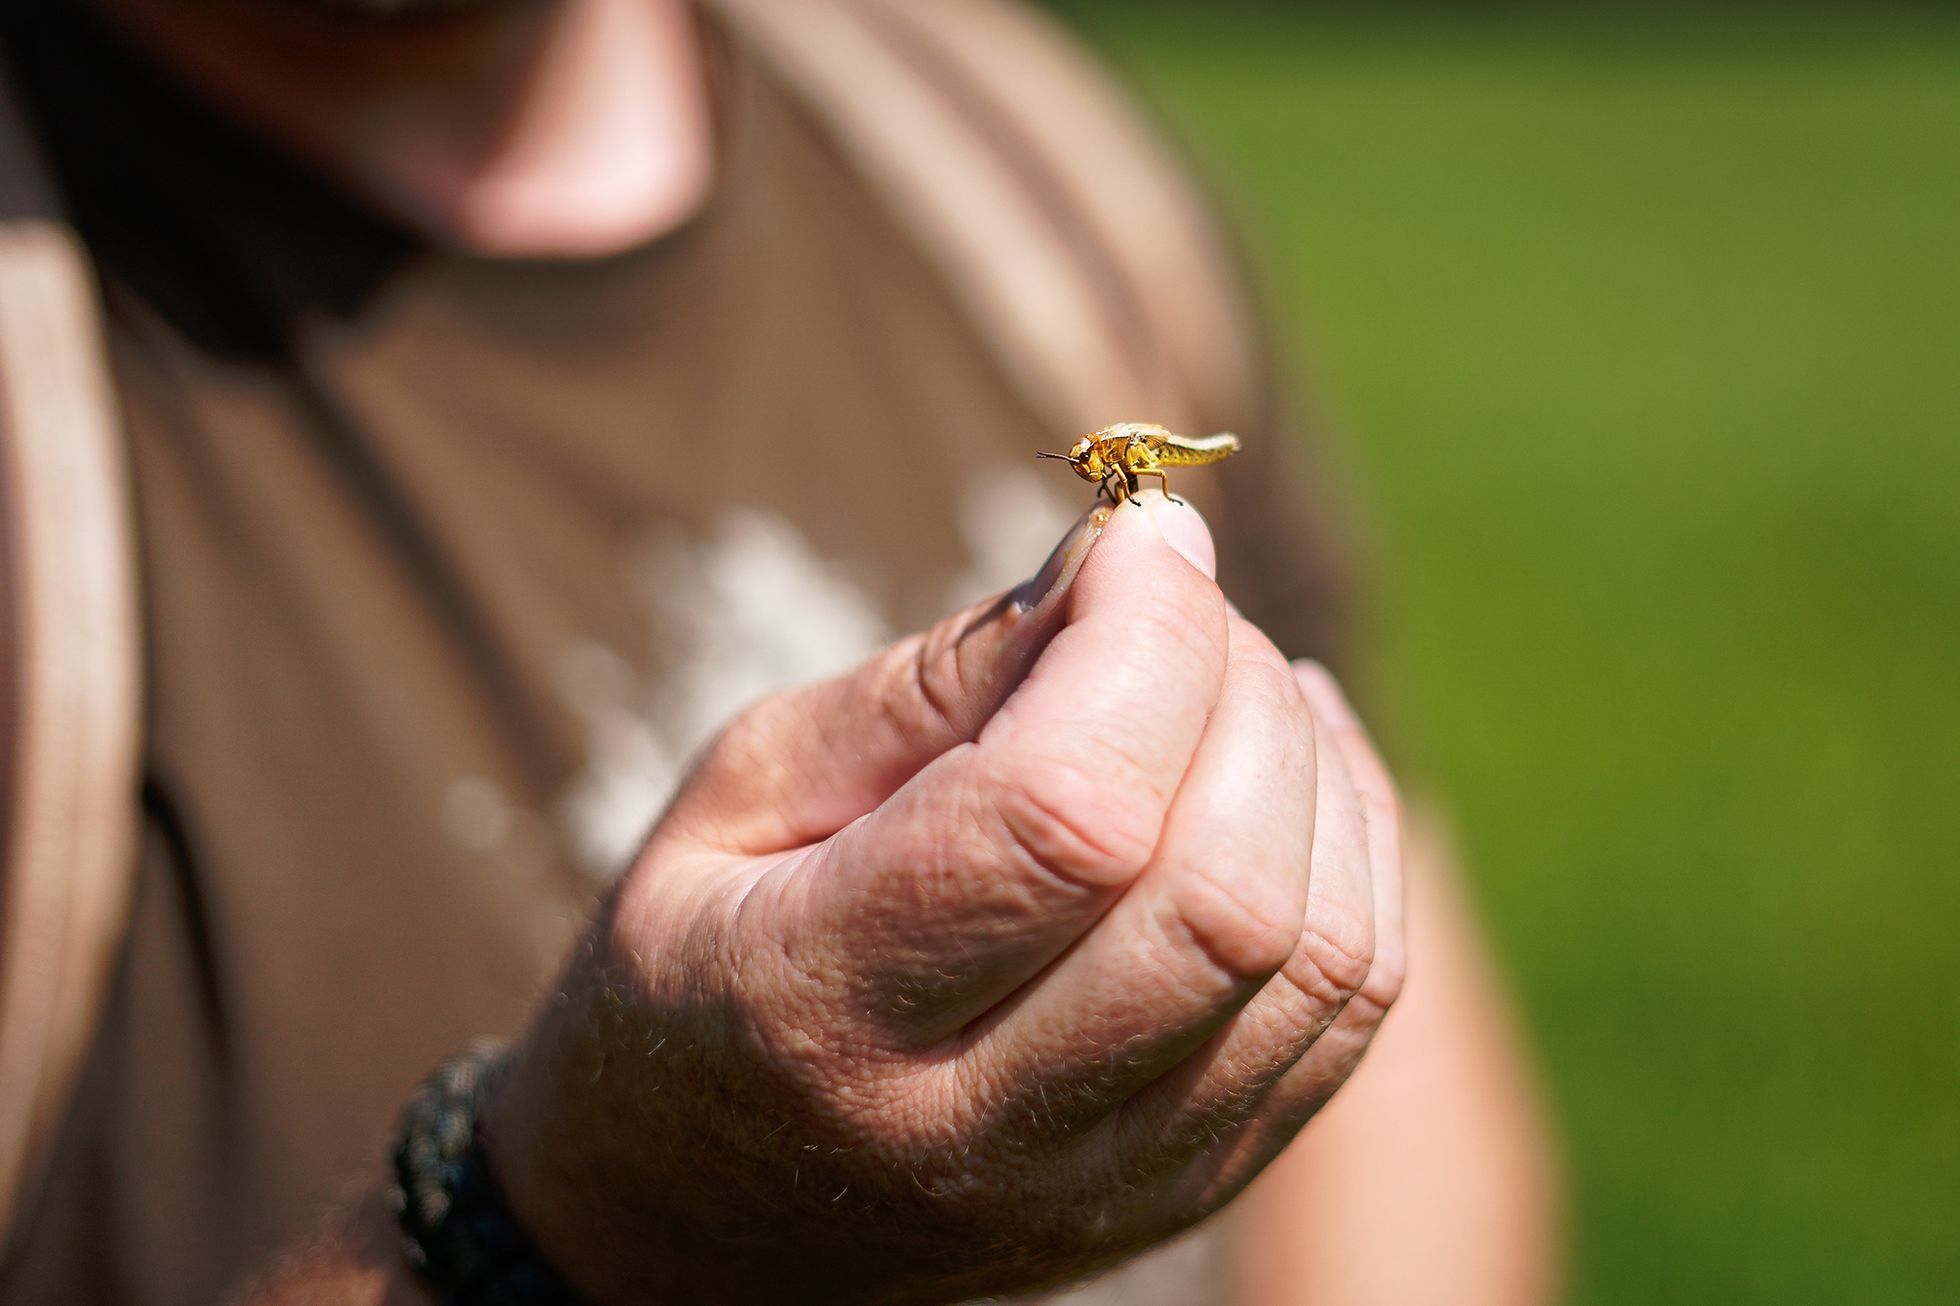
{"points": [[802, 764]]}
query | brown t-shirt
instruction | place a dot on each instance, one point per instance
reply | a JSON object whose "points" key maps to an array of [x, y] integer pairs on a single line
{"points": [[448, 564]]}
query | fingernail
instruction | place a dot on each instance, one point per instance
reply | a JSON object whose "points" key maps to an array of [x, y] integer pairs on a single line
{"points": [[1064, 562], [1182, 528]]}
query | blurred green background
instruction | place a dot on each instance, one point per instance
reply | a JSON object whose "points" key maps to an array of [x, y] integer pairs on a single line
{"points": [[1637, 334]]}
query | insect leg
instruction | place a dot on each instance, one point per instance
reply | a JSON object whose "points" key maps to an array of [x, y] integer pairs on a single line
{"points": [[1163, 479]]}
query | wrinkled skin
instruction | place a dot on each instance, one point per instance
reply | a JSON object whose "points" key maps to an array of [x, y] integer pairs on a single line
{"points": [[1009, 954]]}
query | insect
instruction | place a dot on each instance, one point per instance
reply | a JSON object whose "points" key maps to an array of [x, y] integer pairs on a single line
{"points": [[1118, 456]]}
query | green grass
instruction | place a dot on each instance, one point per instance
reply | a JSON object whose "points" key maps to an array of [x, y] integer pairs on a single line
{"points": [[1639, 341]]}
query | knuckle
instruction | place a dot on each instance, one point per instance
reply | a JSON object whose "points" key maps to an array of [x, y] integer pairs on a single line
{"points": [[1273, 692], [923, 692], [1334, 959], [740, 744], [1336, 1055], [750, 746], [1075, 826], [1247, 926], [1248, 641], [940, 682], [1265, 674], [1386, 975]]}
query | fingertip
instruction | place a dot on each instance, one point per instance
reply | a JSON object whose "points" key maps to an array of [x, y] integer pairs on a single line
{"points": [[1184, 529], [1178, 523], [1325, 695]]}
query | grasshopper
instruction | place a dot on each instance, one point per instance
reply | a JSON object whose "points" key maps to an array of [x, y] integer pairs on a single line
{"points": [[1118, 456]]}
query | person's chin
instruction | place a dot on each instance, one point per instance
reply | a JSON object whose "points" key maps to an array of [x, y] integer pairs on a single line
{"points": [[550, 217]]}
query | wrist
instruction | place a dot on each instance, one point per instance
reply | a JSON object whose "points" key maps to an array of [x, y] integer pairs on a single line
{"points": [[556, 1161], [458, 1234]]}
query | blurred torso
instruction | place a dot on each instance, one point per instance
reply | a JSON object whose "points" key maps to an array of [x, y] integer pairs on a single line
{"points": [[449, 564]]}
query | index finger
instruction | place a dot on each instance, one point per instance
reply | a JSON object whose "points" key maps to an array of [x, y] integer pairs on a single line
{"points": [[981, 869], [1132, 676]]}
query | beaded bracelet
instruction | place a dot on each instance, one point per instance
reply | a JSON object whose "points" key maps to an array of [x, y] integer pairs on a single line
{"points": [[460, 1236]]}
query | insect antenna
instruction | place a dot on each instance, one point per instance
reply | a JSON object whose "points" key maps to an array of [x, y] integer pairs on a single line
{"points": [[1062, 456]]}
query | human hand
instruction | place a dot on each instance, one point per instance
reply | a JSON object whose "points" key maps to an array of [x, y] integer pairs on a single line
{"points": [[1007, 955]]}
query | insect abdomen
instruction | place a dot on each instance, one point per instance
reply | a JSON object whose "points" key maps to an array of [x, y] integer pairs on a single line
{"points": [[1196, 451]]}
